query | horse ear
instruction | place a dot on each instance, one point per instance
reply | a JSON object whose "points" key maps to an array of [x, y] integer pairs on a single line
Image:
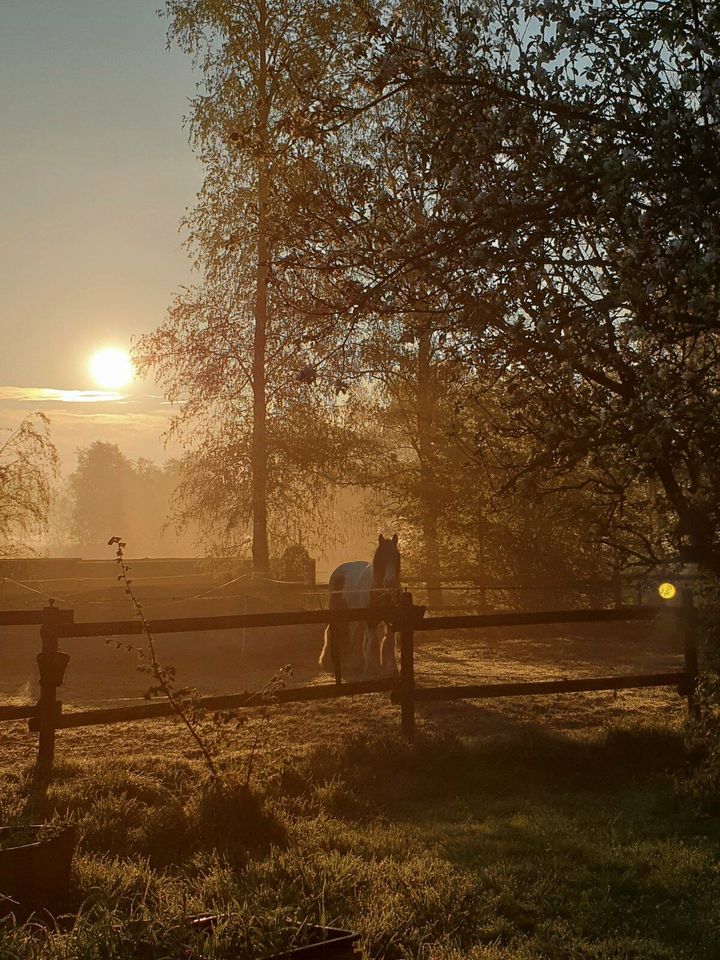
{"points": [[381, 539], [395, 539]]}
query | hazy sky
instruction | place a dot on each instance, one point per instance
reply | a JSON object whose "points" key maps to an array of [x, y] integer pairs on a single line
{"points": [[95, 174]]}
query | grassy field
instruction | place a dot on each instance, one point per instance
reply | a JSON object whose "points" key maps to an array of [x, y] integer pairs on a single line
{"points": [[553, 828]]}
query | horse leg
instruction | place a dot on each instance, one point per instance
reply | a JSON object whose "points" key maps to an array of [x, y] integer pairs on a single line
{"points": [[388, 661], [358, 645], [334, 651], [371, 649], [353, 647], [336, 634]]}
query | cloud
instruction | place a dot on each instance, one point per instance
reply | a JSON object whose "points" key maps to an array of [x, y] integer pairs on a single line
{"points": [[78, 417], [52, 395]]}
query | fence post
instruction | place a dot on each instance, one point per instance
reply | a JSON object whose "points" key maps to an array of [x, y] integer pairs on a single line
{"points": [[52, 664], [689, 621], [407, 667]]}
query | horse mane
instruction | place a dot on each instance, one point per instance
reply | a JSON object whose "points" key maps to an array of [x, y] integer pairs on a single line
{"points": [[380, 557]]}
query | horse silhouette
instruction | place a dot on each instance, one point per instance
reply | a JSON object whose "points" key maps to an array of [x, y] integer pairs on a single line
{"points": [[365, 646]]}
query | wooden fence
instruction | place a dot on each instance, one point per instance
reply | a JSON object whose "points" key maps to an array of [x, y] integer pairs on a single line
{"points": [[47, 716]]}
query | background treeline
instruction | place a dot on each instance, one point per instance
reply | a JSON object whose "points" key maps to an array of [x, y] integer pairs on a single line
{"points": [[109, 492]]}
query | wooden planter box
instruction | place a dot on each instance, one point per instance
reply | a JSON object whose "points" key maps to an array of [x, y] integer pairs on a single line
{"points": [[324, 943], [35, 866]]}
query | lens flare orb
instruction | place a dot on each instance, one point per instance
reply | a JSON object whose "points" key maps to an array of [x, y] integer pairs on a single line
{"points": [[667, 590], [111, 368]]}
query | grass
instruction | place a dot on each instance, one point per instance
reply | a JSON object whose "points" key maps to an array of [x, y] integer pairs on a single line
{"points": [[553, 828], [517, 845]]}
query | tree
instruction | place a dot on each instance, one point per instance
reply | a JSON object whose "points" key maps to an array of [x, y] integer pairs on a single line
{"points": [[111, 494], [233, 346], [408, 453], [370, 197], [441, 479], [28, 466], [100, 486], [613, 303]]}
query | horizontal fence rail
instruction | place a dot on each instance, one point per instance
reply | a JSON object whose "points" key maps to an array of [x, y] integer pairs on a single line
{"points": [[67, 628], [29, 618], [232, 701], [404, 618], [20, 712], [484, 691], [115, 628], [543, 617]]}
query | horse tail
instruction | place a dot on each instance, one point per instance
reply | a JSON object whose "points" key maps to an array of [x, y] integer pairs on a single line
{"points": [[325, 662], [333, 632]]}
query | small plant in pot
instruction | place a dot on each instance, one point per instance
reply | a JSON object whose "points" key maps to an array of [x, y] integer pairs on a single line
{"points": [[35, 862]]}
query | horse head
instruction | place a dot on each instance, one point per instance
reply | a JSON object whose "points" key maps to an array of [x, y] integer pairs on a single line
{"points": [[386, 565]]}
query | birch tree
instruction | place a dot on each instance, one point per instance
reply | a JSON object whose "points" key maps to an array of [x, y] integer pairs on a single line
{"points": [[235, 348]]}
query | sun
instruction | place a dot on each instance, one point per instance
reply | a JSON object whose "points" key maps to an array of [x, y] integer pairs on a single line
{"points": [[111, 368]]}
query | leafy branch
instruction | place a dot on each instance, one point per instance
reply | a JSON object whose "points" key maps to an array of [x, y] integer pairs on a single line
{"points": [[165, 676], [266, 692]]}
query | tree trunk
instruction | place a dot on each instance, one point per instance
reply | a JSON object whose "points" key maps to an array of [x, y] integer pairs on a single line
{"points": [[260, 548], [426, 456], [481, 564]]}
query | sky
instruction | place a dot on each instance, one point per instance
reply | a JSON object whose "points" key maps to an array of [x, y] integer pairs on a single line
{"points": [[95, 175]]}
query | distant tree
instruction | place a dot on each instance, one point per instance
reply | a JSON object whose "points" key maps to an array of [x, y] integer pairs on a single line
{"points": [[439, 469], [28, 466], [109, 492], [59, 538], [406, 403], [101, 488]]}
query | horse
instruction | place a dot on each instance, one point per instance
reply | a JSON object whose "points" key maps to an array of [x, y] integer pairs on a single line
{"points": [[371, 645]]}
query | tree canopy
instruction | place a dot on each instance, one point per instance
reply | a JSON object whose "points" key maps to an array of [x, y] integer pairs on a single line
{"points": [[235, 347], [456, 239], [109, 494]]}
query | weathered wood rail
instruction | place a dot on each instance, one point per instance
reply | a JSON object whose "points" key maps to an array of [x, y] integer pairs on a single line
{"points": [[46, 716]]}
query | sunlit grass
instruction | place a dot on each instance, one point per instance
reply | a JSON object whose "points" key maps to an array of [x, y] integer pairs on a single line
{"points": [[517, 845]]}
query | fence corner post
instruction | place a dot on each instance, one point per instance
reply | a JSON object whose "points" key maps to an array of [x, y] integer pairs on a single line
{"points": [[689, 622], [52, 664], [407, 667]]}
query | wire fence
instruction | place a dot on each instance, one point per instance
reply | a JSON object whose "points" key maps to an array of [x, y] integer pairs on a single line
{"points": [[450, 594]]}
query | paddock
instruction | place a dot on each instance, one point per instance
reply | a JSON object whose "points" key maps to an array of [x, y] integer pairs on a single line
{"points": [[424, 674]]}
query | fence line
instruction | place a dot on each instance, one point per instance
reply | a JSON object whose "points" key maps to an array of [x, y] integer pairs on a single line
{"points": [[406, 618], [231, 701], [106, 628], [84, 583], [541, 617], [485, 691], [24, 618]]}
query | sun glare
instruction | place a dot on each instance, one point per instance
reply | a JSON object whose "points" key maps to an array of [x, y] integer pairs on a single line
{"points": [[111, 368]]}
